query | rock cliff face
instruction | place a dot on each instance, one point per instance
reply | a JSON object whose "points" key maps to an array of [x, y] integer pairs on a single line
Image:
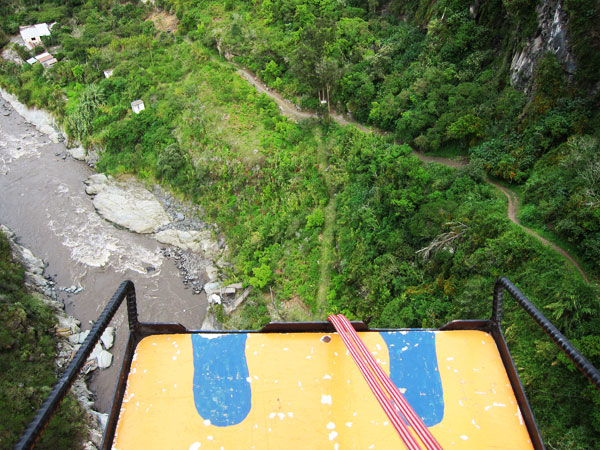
{"points": [[551, 36]]}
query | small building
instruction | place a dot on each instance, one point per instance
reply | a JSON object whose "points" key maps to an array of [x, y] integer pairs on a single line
{"points": [[46, 59], [137, 106], [32, 34], [108, 73], [31, 61]]}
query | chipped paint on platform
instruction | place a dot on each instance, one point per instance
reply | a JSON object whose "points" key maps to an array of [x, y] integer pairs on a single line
{"points": [[413, 369], [289, 394]]}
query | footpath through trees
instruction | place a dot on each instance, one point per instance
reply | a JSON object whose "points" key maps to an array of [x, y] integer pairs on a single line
{"points": [[288, 109]]}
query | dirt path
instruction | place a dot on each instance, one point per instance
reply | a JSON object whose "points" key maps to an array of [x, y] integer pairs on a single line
{"points": [[327, 236], [513, 210], [454, 163], [513, 207], [289, 110], [286, 107]]}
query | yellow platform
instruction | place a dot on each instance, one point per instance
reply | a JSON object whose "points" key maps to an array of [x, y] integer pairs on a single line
{"points": [[303, 391]]}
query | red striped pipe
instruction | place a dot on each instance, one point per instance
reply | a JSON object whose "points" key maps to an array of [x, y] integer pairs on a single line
{"points": [[412, 418], [407, 411], [406, 436]]}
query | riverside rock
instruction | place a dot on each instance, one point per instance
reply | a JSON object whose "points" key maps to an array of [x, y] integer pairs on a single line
{"points": [[96, 352], [214, 299], [194, 241], [69, 322], [108, 338], [212, 273], [131, 206], [104, 359], [212, 288], [95, 184], [78, 338], [78, 153]]}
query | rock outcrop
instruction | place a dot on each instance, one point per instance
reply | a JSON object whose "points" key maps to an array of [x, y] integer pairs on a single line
{"points": [[95, 184], [130, 205], [196, 248], [550, 36], [79, 153], [200, 242]]}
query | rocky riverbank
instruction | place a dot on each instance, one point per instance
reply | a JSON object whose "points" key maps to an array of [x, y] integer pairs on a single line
{"points": [[45, 199], [67, 333], [45, 124], [198, 251]]}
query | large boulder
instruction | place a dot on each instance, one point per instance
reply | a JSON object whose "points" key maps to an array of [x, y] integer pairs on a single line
{"points": [[195, 241], [131, 206]]}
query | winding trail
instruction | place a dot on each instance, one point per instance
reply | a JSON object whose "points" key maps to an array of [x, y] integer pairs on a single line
{"points": [[289, 109], [285, 106], [513, 209]]}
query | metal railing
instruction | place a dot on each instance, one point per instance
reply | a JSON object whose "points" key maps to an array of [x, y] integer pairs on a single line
{"points": [[49, 407], [137, 330], [563, 343]]}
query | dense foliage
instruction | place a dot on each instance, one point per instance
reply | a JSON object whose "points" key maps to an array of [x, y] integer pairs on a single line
{"points": [[321, 218], [27, 349], [437, 81]]}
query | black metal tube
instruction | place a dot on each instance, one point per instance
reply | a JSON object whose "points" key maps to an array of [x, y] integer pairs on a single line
{"points": [[563, 343], [45, 413], [132, 313]]}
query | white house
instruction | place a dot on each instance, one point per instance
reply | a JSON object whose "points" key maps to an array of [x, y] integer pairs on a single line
{"points": [[46, 59], [108, 73], [137, 106], [32, 34]]}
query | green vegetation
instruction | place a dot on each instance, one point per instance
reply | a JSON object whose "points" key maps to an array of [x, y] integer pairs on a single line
{"points": [[437, 81], [27, 370], [342, 220]]}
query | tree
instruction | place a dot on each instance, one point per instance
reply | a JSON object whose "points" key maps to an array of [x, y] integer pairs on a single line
{"points": [[171, 160], [79, 122], [584, 164], [328, 72], [310, 61]]}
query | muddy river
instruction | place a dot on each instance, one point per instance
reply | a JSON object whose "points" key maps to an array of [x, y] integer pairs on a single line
{"points": [[43, 200]]}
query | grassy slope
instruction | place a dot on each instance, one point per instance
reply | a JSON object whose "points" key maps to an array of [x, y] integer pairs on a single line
{"points": [[27, 370]]}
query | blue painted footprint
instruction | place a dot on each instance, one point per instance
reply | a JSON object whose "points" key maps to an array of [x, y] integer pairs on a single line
{"points": [[221, 388], [414, 369]]}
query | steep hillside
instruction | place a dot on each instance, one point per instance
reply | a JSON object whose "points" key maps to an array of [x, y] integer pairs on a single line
{"points": [[28, 349], [512, 84], [337, 220]]}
